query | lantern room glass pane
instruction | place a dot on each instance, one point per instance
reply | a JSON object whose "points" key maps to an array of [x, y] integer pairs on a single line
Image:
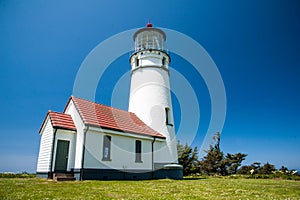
{"points": [[149, 40]]}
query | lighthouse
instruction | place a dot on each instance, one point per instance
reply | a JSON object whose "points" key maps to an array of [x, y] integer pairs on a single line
{"points": [[150, 96], [93, 141]]}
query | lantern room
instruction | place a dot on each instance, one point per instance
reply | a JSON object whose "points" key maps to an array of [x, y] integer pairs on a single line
{"points": [[149, 38]]}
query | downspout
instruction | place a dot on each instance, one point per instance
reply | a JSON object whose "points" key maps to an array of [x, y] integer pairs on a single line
{"points": [[152, 151], [52, 154], [83, 152]]}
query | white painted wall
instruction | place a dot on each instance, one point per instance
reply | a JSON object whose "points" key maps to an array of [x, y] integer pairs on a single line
{"points": [[44, 158], [68, 136], [149, 58], [150, 95], [71, 110], [122, 152]]}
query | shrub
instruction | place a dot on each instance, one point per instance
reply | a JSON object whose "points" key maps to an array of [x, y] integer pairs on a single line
{"points": [[17, 175]]}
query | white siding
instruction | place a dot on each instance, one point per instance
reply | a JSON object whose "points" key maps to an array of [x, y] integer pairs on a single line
{"points": [[71, 110], [122, 152], [68, 136], [161, 150], [44, 159]]}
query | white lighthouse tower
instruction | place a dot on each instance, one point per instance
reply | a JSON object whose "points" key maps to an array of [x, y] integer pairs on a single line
{"points": [[150, 97]]}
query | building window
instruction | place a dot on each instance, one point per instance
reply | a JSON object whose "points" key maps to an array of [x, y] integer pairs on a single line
{"points": [[138, 151], [137, 62], [163, 61], [106, 147], [168, 117]]}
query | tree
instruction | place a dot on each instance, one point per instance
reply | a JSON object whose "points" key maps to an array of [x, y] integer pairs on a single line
{"points": [[258, 169], [267, 169], [213, 162], [246, 169], [284, 170], [216, 163], [233, 161], [188, 158]]}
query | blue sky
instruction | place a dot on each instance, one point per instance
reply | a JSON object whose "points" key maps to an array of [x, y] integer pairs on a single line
{"points": [[255, 45]]}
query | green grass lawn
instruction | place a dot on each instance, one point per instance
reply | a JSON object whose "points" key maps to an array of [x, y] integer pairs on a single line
{"points": [[205, 188]]}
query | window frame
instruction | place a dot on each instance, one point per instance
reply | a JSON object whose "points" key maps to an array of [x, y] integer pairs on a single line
{"points": [[138, 151], [106, 144], [168, 117], [163, 61], [137, 62]]}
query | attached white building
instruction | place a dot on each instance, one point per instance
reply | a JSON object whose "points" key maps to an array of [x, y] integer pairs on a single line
{"points": [[93, 141]]}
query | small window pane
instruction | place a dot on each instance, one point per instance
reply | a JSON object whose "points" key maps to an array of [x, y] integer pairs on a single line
{"points": [[138, 151], [168, 117], [106, 147]]}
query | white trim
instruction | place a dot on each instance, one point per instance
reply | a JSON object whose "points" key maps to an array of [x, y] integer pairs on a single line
{"points": [[126, 134], [44, 124]]}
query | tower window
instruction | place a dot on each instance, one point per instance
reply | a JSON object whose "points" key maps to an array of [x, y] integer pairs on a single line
{"points": [[138, 151], [168, 117], [137, 62], [106, 147], [163, 61]]}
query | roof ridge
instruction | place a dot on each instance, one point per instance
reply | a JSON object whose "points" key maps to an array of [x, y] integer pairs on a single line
{"points": [[50, 111], [110, 107]]}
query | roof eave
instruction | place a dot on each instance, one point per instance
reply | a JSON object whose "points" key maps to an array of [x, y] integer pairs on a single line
{"points": [[64, 128], [44, 121], [124, 131]]}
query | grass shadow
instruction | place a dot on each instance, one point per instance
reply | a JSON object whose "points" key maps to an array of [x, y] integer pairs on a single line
{"points": [[192, 178]]}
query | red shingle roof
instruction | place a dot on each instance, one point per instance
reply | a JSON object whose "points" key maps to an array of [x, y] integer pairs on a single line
{"points": [[111, 118], [60, 121]]}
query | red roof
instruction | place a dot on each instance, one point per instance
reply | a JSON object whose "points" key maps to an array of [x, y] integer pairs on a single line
{"points": [[98, 115], [60, 121]]}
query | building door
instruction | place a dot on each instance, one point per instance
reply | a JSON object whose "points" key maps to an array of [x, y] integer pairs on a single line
{"points": [[62, 153]]}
